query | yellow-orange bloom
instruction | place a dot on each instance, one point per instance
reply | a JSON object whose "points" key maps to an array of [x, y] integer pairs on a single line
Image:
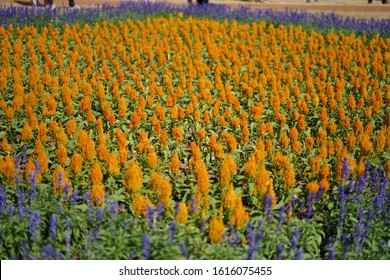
{"points": [[174, 166], [98, 194], [96, 174], [7, 167], [112, 164], [216, 229], [240, 216], [165, 192], [140, 203], [182, 213], [62, 154], [76, 163], [229, 199], [26, 132], [262, 181], [151, 159], [312, 187], [134, 177]]}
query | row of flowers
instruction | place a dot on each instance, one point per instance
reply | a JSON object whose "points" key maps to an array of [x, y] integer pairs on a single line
{"points": [[25, 16]]}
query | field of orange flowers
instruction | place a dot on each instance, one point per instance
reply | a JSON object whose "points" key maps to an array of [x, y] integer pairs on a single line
{"points": [[211, 119]]}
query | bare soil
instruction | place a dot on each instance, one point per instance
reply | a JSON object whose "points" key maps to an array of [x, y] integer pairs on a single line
{"points": [[355, 8]]}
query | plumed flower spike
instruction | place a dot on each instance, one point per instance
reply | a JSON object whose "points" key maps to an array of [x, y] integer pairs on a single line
{"points": [[240, 216], [182, 213], [98, 194], [133, 177], [216, 229]]}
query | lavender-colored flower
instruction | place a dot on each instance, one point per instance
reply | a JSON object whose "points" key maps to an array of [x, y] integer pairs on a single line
{"points": [[145, 246], [114, 208], [268, 200], [202, 224], [11, 210], [294, 239], [234, 238], [298, 254], [150, 216], [74, 196], [34, 223], [193, 205], [2, 200], [160, 211], [48, 252], [183, 249], [345, 169], [99, 214], [253, 246], [172, 231], [282, 213], [68, 225], [53, 223], [309, 210], [124, 224], [279, 251], [259, 232], [24, 245]]}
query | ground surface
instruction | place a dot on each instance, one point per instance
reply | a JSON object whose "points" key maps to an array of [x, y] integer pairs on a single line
{"points": [[356, 8]]}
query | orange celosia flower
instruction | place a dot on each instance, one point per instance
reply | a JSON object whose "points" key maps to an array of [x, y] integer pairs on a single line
{"points": [[122, 156], [7, 167], [218, 151], [71, 126], [62, 154], [240, 216], [98, 194], [289, 178], [112, 164], [229, 199], [140, 203], [312, 187], [5, 145], [26, 132], [216, 229], [202, 177], [76, 163], [151, 159], [271, 193], [177, 134], [262, 181], [134, 177], [96, 174], [182, 213], [174, 166], [165, 192]]}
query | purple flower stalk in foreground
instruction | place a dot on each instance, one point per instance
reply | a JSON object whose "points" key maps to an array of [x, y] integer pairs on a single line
{"points": [[34, 223], [68, 226], [48, 252], [53, 223], [294, 239], [2, 200], [145, 246], [183, 249], [172, 232], [279, 251]]}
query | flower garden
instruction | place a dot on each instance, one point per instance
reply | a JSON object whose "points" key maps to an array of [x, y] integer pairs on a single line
{"points": [[155, 131]]}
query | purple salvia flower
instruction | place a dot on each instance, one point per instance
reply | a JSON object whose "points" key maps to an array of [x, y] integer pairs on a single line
{"points": [[183, 248], [99, 214], [114, 208], [298, 254], [160, 211], [2, 200], [68, 225], [34, 223], [309, 210], [345, 169], [193, 205], [279, 251], [259, 232], [172, 231], [268, 206], [24, 245], [145, 246], [75, 196], [294, 239], [11, 210], [253, 247], [53, 223], [48, 252], [202, 224], [150, 216], [124, 224]]}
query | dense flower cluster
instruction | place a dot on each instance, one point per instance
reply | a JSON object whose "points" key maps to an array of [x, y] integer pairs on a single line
{"points": [[218, 123]]}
